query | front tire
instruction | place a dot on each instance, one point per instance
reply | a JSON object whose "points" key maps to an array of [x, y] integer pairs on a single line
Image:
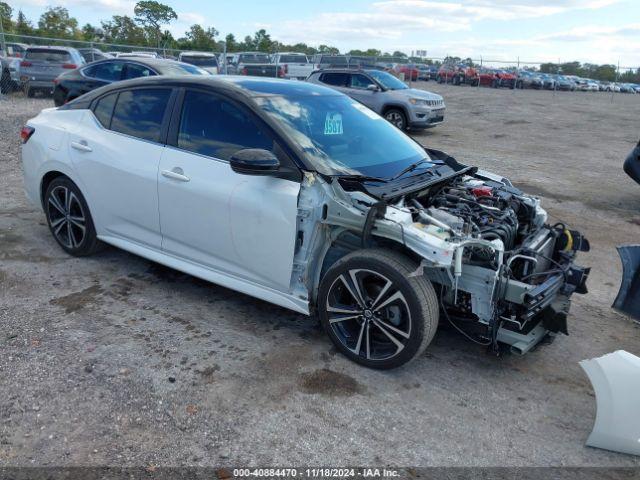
{"points": [[69, 218], [397, 118], [374, 312]]}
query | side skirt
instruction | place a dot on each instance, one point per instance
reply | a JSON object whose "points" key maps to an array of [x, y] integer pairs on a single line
{"points": [[205, 273]]}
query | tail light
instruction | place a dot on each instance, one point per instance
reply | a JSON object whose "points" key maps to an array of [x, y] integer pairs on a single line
{"points": [[244, 71], [26, 132], [286, 68], [56, 81], [281, 72], [70, 66], [25, 64]]}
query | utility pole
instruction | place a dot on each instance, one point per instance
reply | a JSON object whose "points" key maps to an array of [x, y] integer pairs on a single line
{"points": [[3, 45], [3, 48]]}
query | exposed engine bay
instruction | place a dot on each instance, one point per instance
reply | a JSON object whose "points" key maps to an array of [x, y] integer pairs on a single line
{"points": [[533, 254], [504, 276]]}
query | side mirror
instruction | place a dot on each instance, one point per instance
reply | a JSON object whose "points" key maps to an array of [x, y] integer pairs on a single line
{"points": [[373, 88], [254, 161]]}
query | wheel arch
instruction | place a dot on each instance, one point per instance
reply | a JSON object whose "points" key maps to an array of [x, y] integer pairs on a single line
{"points": [[396, 106], [341, 243]]}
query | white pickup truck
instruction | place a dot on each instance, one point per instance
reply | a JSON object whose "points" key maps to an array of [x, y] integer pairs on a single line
{"points": [[295, 65]]}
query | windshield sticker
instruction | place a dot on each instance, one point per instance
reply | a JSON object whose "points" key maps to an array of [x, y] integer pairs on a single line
{"points": [[333, 124], [367, 111]]}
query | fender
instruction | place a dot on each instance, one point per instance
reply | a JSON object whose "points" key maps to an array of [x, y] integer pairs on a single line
{"points": [[615, 378]]}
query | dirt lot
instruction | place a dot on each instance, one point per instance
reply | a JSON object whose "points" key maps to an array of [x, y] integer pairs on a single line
{"points": [[113, 360]]}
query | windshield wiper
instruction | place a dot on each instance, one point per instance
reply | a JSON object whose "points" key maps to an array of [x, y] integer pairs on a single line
{"points": [[408, 169]]}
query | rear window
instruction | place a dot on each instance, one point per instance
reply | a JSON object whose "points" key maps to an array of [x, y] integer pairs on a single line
{"points": [[293, 59], [336, 79], [104, 109], [47, 55], [139, 112], [338, 61], [109, 71], [200, 61], [253, 58]]}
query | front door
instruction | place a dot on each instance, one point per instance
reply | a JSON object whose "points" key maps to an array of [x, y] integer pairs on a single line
{"points": [[240, 225]]}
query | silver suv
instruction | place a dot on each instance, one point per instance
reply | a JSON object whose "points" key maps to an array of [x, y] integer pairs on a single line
{"points": [[383, 93], [42, 65]]}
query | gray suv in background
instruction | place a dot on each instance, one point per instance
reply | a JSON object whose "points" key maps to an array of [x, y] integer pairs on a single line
{"points": [[42, 65], [383, 93]]}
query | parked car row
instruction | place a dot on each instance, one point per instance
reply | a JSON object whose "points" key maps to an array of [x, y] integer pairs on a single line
{"points": [[65, 72], [461, 74]]}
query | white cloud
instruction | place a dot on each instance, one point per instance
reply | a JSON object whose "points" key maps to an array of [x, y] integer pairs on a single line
{"points": [[391, 21]]}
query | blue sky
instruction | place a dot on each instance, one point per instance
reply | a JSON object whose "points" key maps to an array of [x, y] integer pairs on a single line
{"points": [[598, 31]]}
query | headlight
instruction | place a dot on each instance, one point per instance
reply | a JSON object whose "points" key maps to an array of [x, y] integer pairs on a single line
{"points": [[418, 101]]}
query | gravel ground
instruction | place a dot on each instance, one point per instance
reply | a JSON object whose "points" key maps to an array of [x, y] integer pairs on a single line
{"points": [[113, 360]]}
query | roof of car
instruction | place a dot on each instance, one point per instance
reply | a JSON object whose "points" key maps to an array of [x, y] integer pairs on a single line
{"points": [[152, 62], [47, 47], [246, 86]]}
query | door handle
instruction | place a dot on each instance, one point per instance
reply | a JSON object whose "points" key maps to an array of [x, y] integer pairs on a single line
{"points": [[82, 146], [175, 174]]}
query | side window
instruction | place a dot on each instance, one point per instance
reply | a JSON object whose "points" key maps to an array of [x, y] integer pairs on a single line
{"points": [[104, 109], [360, 81], [108, 71], [135, 70], [214, 127], [335, 79], [139, 112]]}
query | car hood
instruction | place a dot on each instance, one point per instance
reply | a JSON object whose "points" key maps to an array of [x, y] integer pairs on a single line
{"points": [[212, 70], [414, 93]]}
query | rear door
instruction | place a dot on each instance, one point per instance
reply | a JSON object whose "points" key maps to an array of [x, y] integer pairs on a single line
{"points": [[116, 150], [241, 225]]}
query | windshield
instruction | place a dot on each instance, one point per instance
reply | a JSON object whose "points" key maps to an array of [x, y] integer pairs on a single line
{"points": [[387, 80], [343, 137], [203, 61]]}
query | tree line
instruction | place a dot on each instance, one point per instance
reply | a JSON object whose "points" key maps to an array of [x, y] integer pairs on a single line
{"points": [[147, 28]]}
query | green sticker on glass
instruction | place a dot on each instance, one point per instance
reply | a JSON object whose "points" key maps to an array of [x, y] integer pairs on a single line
{"points": [[333, 124]]}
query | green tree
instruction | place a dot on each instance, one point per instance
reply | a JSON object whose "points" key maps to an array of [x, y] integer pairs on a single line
{"points": [[200, 38], [123, 29], [328, 50], [5, 14], [232, 44], [262, 41], [398, 53], [90, 33], [152, 15], [56, 22], [23, 26]]}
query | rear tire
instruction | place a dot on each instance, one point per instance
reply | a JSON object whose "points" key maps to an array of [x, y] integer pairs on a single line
{"points": [[395, 316], [31, 92], [69, 218]]}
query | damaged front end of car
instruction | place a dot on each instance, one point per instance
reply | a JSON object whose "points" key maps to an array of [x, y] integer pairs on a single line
{"points": [[502, 273]]}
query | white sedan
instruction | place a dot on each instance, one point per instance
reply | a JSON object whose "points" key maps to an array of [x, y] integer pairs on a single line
{"points": [[300, 196]]}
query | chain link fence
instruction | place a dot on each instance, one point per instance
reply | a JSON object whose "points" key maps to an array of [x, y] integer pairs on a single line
{"points": [[401, 66]]}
